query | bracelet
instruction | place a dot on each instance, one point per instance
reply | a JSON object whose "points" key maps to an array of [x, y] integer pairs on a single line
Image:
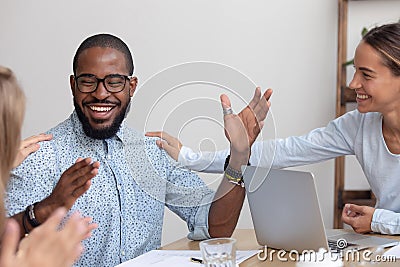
{"points": [[24, 217], [30, 215], [234, 176], [230, 178]]}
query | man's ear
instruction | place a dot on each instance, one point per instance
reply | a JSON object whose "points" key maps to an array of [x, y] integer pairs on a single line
{"points": [[132, 85], [72, 83]]}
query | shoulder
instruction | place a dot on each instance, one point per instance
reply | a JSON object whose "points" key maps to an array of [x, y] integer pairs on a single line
{"points": [[136, 142], [356, 115], [45, 156], [355, 123], [138, 139], [352, 119]]}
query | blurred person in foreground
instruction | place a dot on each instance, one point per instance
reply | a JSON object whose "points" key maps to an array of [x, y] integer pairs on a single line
{"points": [[47, 245]]}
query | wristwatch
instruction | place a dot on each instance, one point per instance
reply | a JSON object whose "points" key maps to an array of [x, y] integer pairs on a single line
{"points": [[30, 215]]}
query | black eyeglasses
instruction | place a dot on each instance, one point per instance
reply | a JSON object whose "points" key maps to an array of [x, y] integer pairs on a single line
{"points": [[88, 83]]}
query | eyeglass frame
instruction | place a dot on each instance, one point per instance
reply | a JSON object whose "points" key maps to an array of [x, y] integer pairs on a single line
{"points": [[98, 80]]}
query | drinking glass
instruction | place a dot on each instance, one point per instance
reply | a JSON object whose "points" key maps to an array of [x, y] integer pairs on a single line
{"points": [[218, 252]]}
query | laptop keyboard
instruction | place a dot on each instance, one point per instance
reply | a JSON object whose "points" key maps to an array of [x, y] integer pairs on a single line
{"points": [[337, 248]]}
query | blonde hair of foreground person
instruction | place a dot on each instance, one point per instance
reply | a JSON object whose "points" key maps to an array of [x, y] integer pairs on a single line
{"points": [[46, 245]]}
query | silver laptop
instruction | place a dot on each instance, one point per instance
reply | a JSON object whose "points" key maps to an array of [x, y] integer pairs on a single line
{"points": [[286, 213]]}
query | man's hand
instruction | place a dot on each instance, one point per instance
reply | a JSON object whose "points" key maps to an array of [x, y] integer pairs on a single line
{"points": [[254, 114], [235, 132], [358, 217], [28, 146], [252, 117], [74, 182], [169, 143], [241, 131]]}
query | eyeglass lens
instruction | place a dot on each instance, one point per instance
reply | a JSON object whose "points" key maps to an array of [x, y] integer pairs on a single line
{"points": [[113, 83]]}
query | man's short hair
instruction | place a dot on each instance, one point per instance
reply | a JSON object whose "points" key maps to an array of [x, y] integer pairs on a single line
{"points": [[105, 40]]}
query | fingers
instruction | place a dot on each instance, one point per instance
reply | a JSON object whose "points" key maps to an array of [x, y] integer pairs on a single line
{"points": [[256, 98], [172, 150], [79, 228], [35, 139], [160, 134], [165, 136], [353, 210], [226, 106], [358, 217], [69, 238], [10, 243], [80, 163], [258, 107], [76, 230], [90, 226], [262, 106], [82, 175], [267, 94], [28, 146], [348, 216], [225, 101], [83, 179], [54, 220], [80, 172], [155, 134], [74, 182], [349, 211]]}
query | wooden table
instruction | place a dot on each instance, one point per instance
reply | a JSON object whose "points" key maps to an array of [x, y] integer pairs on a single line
{"points": [[246, 240]]}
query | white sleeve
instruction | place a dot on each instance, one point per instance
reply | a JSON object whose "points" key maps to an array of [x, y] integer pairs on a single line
{"points": [[203, 161], [386, 222], [336, 139]]}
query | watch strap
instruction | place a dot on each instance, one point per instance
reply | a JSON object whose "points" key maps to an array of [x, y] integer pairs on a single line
{"points": [[30, 215]]}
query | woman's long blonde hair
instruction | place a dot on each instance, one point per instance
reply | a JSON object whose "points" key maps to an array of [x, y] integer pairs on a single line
{"points": [[12, 109]]}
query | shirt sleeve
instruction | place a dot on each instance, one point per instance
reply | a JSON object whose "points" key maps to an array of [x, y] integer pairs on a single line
{"points": [[188, 197], [336, 139], [203, 161], [386, 222]]}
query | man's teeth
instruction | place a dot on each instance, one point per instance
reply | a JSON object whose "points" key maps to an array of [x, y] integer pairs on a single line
{"points": [[100, 109], [362, 96]]}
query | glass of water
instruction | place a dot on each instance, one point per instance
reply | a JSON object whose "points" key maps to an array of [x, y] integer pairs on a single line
{"points": [[218, 252]]}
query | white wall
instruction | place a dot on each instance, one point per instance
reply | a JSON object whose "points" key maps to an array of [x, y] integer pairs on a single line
{"points": [[288, 45]]}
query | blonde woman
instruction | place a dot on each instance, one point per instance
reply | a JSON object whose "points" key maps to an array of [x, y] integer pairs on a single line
{"points": [[45, 245]]}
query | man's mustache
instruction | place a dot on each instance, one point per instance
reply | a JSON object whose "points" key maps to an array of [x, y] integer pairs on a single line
{"points": [[105, 101]]}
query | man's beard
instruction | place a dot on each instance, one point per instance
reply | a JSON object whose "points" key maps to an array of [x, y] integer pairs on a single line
{"points": [[105, 132]]}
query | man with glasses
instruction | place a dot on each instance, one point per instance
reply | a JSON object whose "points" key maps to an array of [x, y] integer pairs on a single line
{"points": [[97, 165]]}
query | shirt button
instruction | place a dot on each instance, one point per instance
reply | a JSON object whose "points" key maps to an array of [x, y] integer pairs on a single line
{"points": [[108, 156], [123, 253], [119, 187]]}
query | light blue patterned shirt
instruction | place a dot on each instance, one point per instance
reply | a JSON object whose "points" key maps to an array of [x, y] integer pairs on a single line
{"points": [[135, 181]]}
